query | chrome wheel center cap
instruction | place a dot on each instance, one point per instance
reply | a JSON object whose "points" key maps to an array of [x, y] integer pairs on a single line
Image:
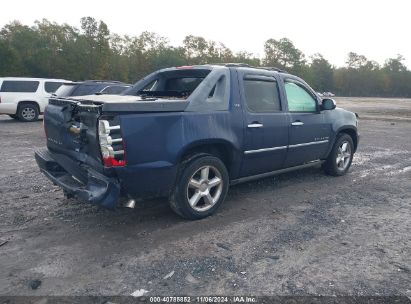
{"points": [[203, 186]]}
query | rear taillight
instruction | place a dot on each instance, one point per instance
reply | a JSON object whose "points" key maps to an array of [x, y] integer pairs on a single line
{"points": [[112, 145]]}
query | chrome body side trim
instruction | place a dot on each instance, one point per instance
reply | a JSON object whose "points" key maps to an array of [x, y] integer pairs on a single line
{"points": [[265, 150], [309, 143], [285, 147]]}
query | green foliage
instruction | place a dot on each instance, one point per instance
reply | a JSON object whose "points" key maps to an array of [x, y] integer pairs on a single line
{"points": [[283, 54], [362, 77], [320, 73], [48, 49]]}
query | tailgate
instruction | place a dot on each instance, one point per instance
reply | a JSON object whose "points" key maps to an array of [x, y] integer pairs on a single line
{"points": [[71, 131]]}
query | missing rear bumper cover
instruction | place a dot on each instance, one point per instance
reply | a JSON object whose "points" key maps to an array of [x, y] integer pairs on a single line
{"points": [[98, 189]]}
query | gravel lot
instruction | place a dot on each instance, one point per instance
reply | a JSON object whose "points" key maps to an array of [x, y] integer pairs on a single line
{"points": [[301, 233]]}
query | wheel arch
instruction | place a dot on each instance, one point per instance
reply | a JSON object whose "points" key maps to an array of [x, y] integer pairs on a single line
{"points": [[21, 102], [349, 130], [24, 103], [352, 132], [220, 148]]}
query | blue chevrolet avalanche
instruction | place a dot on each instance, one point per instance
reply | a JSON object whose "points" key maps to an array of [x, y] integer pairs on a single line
{"points": [[189, 132]]}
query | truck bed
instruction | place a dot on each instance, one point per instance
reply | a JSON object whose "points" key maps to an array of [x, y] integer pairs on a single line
{"points": [[118, 103]]}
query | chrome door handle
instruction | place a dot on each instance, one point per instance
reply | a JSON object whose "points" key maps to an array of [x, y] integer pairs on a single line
{"points": [[255, 125], [297, 123]]}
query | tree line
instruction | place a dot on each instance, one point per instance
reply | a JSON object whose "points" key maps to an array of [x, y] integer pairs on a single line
{"points": [[48, 49]]}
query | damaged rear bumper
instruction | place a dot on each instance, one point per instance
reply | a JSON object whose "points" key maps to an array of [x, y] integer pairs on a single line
{"points": [[91, 186]]}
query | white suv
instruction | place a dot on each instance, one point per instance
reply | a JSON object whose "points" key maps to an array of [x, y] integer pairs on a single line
{"points": [[26, 98]]}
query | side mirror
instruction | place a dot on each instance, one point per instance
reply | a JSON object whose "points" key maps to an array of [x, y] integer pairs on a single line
{"points": [[328, 104]]}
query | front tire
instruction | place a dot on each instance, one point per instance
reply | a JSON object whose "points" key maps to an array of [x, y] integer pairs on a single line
{"points": [[341, 155], [28, 112], [14, 116], [201, 187]]}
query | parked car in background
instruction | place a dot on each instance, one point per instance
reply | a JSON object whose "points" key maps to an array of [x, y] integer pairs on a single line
{"points": [[25, 98], [90, 87], [328, 94], [190, 132]]}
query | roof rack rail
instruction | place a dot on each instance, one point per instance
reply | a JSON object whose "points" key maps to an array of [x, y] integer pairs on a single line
{"points": [[272, 69], [237, 65], [102, 80]]}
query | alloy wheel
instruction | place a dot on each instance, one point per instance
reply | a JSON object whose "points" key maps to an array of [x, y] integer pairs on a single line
{"points": [[343, 155], [204, 188], [28, 113]]}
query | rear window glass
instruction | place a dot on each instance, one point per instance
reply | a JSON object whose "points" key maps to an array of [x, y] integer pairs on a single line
{"points": [[19, 86], [51, 87], [88, 89], [65, 90], [169, 83], [114, 89], [262, 96], [187, 84]]}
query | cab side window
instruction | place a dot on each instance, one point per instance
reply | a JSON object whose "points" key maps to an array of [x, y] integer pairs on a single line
{"points": [[19, 86], [261, 95], [299, 99], [52, 86]]}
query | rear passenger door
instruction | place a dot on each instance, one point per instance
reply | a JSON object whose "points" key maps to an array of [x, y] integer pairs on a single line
{"points": [[308, 131], [266, 124]]}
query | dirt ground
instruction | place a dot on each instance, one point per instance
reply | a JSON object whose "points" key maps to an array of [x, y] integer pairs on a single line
{"points": [[301, 233]]}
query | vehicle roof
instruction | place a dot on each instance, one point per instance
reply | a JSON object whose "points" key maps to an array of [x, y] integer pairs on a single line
{"points": [[245, 65], [227, 65], [34, 79], [104, 82]]}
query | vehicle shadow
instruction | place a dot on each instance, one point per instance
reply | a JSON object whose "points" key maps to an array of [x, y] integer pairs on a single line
{"points": [[246, 201], [4, 119]]}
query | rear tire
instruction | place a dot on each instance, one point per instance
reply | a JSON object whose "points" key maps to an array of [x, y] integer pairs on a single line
{"points": [[341, 155], [28, 112], [201, 187], [14, 116]]}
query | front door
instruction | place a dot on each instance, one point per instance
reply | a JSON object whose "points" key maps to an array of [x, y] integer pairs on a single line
{"points": [[266, 134], [308, 131]]}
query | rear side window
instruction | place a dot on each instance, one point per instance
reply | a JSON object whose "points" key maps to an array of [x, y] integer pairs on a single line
{"points": [[262, 95], [20, 86], [151, 86], [299, 100], [51, 87]]}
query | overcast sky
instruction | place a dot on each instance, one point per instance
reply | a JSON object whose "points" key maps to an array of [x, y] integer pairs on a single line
{"points": [[376, 29]]}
